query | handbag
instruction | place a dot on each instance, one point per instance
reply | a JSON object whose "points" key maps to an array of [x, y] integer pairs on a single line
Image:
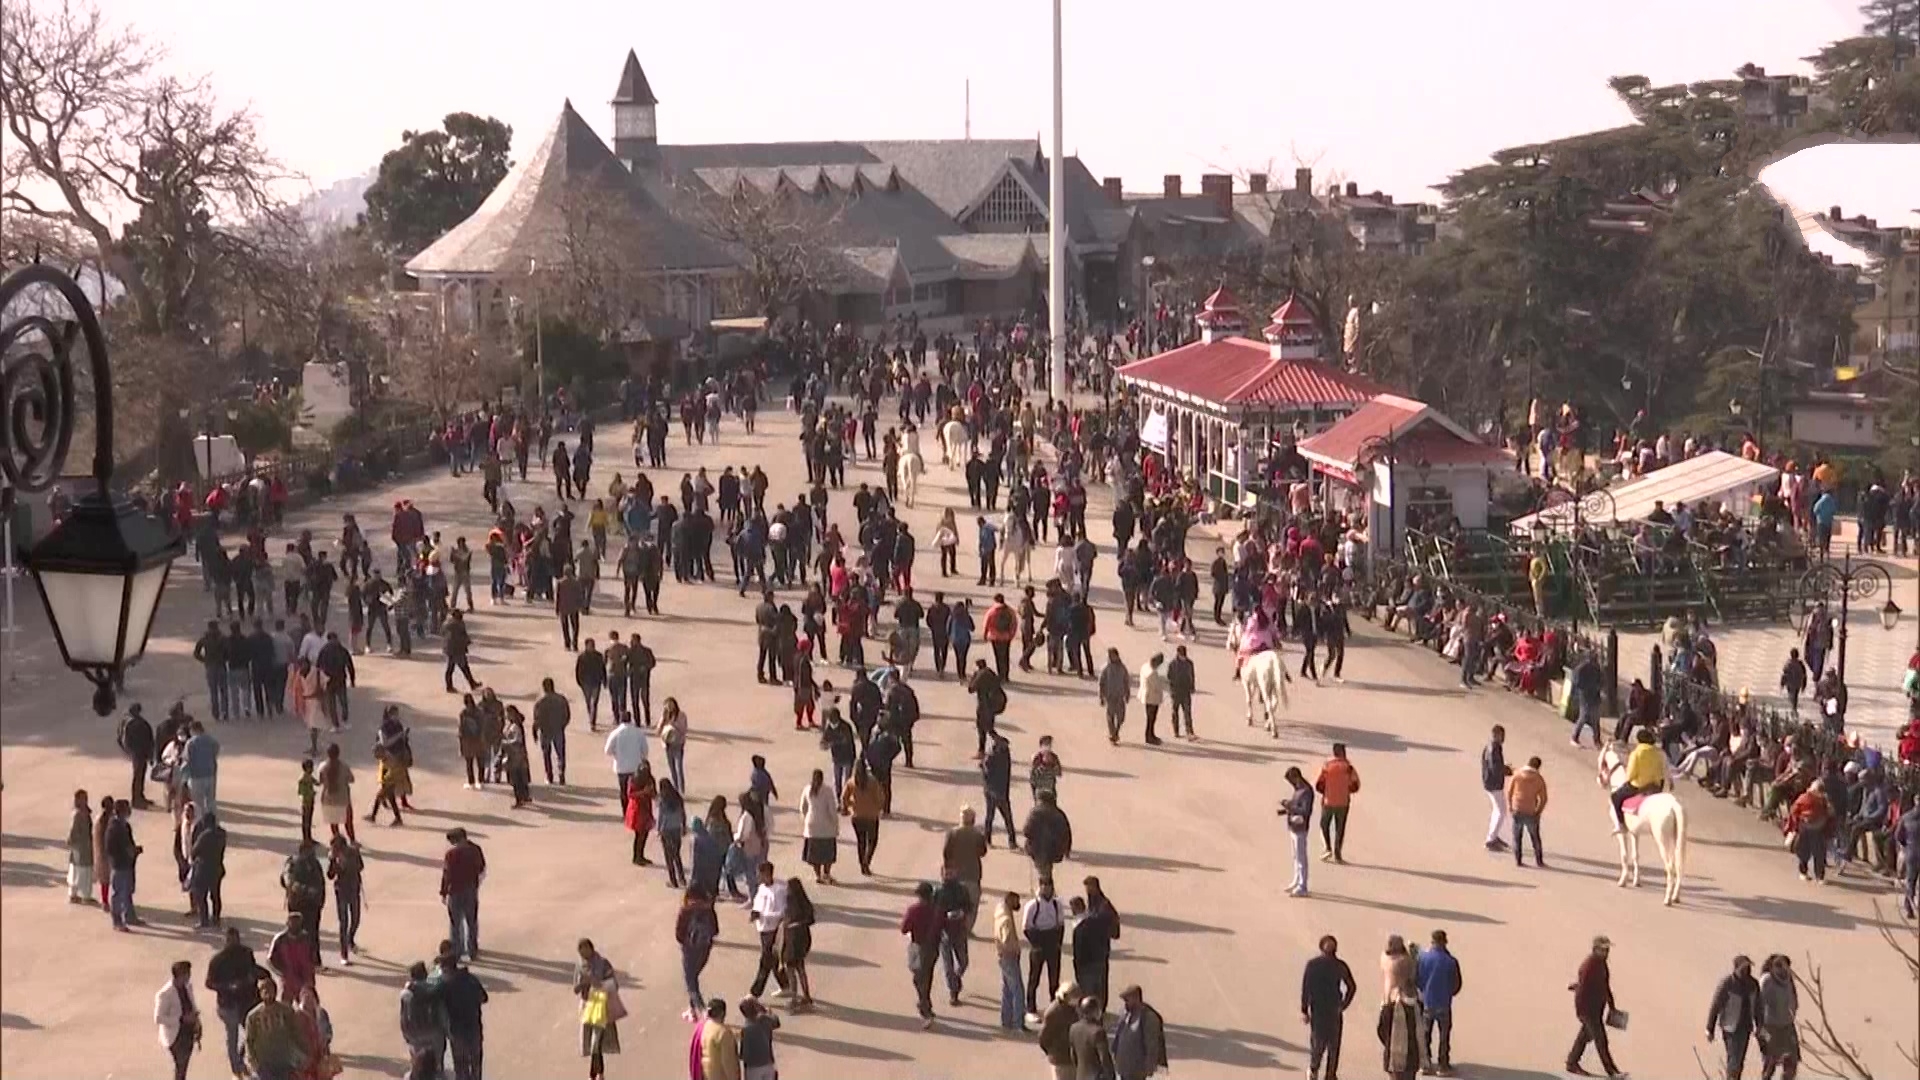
{"points": [[594, 1012], [616, 1009], [915, 957]]}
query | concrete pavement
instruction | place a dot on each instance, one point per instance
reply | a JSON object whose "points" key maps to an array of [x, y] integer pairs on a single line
{"points": [[1184, 838]]}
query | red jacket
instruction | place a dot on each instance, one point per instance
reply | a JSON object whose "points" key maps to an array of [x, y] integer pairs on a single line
{"points": [[1592, 989]]}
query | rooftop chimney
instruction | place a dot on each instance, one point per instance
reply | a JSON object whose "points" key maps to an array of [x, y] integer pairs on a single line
{"points": [[1220, 187], [1112, 184], [1833, 212], [1303, 180], [1257, 183], [1170, 185], [1353, 190]]}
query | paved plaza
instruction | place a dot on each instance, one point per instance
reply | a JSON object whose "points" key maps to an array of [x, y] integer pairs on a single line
{"points": [[1184, 838]]}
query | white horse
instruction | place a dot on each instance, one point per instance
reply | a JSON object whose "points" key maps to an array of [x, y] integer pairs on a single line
{"points": [[1264, 678], [953, 444], [908, 474], [1659, 814]]}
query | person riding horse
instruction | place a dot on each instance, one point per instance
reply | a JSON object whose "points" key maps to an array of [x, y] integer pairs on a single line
{"points": [[1646, 773]]}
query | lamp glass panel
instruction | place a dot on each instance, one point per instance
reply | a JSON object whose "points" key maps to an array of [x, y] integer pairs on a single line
{"points": [[143, 600], [86, 609]]}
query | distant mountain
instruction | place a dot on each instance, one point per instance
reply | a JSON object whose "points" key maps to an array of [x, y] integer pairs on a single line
{"points": [[339, 204]]}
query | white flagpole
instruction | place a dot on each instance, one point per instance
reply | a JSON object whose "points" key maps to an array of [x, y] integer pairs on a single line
{"points": [[1057, 236]]}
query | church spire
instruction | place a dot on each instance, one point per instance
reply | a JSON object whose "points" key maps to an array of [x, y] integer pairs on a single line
{"points": [[634, 89]]}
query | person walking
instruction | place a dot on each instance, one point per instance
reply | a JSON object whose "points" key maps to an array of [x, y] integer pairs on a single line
{"points": [[819, 827], [1734, 1014], [695, 929], [1493, 780], [462, 868], [346, 868], [1139, 1039], [1049, 835], [1298, 811], [550, 716], [1779, 1019], [1153, 691], [597, 986], [757, 1026], [716, 1045], [590, 674], [863, 800], [121, 855], [1337, 784], [1115, 688], [642, 791], [626, 746], [1007, 948], [1326, 990], [423, 1024], [463, 998], [1592, 1003], [1399, 1027], [177, 1017], [207, 869], [1180, 688], [922, 924], [1437, 973], [135, 738], [1527, 800], [234, 977], [276, 1046], [769, 909], [458, 645]]}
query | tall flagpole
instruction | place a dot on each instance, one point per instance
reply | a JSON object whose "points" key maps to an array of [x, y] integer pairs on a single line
{"points": [[1057, 238]]}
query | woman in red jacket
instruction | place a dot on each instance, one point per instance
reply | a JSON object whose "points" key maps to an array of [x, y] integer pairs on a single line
{"points": [[641, 790]]}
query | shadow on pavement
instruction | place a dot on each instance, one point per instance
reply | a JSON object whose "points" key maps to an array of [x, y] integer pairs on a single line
{"points": [[1439, 914]]}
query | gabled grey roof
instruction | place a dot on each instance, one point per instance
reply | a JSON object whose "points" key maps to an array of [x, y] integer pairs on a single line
{"points": [[983, 256], [633, 88], [524, 218]]}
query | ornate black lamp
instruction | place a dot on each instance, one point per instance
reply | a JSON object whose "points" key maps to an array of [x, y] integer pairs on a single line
{"points": [[102, 569]]}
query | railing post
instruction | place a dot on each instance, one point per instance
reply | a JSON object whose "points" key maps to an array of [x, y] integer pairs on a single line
{"points": [[1613, 672]]}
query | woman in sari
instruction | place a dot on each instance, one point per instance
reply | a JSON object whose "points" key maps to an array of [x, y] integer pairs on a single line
{"points": [[1399, 1027], [305, 684], [598, 989], [514, 758]]}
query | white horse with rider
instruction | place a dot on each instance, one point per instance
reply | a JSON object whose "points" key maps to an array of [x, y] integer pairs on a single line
{"points": [[907, 473], [1261, 669], [1654, 812]]}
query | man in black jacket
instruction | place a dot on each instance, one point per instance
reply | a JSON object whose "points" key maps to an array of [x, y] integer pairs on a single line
{"points": [[337, 675], [640, 665], [234, 977], [996, 782], [459, 644], [1326, 989], [766, 616], [1734, 1012], [903, 711], [1180, 687], [1493, 780], [136, 740], [211, 651]]}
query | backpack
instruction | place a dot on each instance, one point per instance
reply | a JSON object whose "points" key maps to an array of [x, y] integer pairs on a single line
{"points": [[997, 699]]}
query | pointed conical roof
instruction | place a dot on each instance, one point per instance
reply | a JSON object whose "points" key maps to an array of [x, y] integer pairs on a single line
{"points": [[1292, 317], [633, 84], [525, 216]]}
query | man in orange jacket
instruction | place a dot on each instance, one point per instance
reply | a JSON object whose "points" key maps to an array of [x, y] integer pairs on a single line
{"points": [[1338, 783], [1000, 626]]}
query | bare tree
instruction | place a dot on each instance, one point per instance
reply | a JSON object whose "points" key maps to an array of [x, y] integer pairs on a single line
{"points": [[450, 371], [1831, 1053], [783, 238], [593, 270]]}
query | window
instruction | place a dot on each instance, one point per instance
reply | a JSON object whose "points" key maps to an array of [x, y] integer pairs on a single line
{"points": [[1008, 204]]}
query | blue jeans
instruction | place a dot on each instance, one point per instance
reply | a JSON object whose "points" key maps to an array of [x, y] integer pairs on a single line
{"points": [[953, 957], [463, 921], [200, 790], [120, 895], [677, 766], [234, 1020], [239, 691], [1589, 716], [692, 963], [1299, 861], [1013, 996]]}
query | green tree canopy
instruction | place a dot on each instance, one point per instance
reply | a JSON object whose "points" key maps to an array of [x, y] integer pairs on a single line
{"points": [[434, 180]]}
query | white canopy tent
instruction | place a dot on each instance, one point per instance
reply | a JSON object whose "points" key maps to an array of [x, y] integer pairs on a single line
{"points": [[1715, 477]]}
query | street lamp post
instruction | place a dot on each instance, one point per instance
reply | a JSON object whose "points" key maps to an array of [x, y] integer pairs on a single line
{"points": [[100, 570], [1847, 583]]}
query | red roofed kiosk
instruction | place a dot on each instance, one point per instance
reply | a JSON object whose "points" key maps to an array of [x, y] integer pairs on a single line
{"points": [[1397, 462], [1226, 399]]}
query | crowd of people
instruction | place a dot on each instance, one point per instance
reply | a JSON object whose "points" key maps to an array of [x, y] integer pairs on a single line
{"points": [[1284, 581]]}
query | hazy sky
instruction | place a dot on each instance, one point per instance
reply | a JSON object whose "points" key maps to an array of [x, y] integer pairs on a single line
{"points": [[1393, 94]]}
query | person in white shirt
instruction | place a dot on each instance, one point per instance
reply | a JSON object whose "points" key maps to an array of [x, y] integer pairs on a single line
{"points": [[311, 644], [627, 746], [1153, 690], [177, 1017], [1043, 922], [769, 907], [819, 827]]}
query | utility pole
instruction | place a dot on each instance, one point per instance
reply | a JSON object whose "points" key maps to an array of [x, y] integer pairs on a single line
{"points": [[539, 334], [1057, 237]]}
